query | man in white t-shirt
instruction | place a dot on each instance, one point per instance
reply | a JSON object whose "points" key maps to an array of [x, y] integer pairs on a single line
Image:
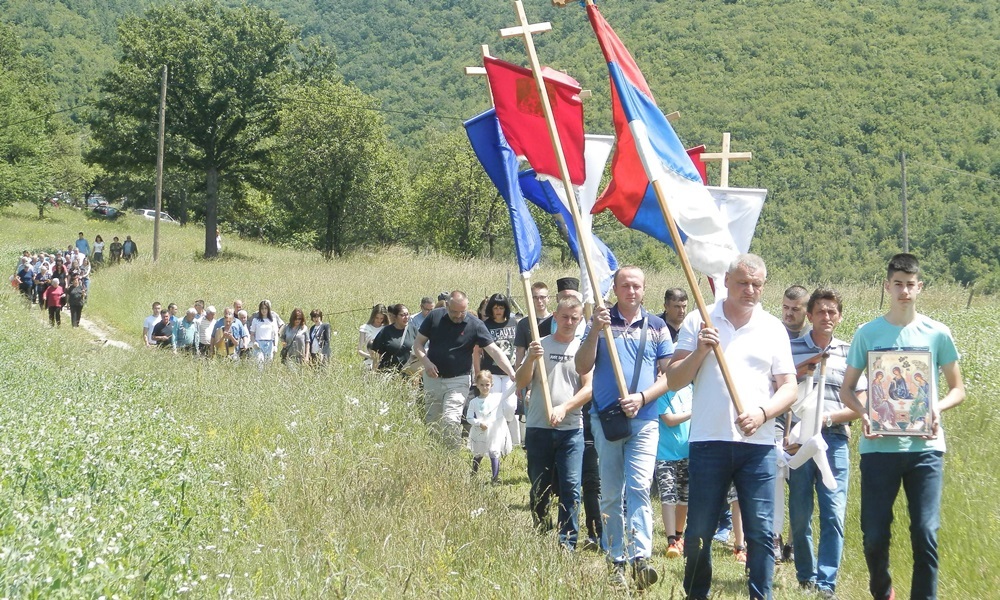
{"points": [[726, 448], [149, 323], [206, 326]]}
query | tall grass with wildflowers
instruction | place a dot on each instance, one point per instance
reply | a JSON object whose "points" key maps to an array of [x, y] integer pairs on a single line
{"points": [[144, 474]]}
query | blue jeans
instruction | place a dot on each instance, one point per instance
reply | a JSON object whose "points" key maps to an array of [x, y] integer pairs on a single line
{"points": [[626, 476], [752, 469], [561, 450], [821, 569], [921, 474]]}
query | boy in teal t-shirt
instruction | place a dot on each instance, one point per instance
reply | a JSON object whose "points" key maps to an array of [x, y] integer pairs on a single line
{"points": [[672, 465], [915, 462]]}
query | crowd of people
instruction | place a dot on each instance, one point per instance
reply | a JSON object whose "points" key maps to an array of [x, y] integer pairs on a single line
{"points": [[632, 405], [629, 406], [235, 335], [60, 279]]}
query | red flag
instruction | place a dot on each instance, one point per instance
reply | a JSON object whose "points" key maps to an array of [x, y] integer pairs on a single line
{"points": [[522, 118], [695, 154]]}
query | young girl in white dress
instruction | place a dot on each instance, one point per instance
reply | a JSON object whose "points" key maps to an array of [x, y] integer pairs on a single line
{"points": [[488, 435]]}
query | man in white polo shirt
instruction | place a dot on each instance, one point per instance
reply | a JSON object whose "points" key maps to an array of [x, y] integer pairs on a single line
{"points": [[725, 447]]}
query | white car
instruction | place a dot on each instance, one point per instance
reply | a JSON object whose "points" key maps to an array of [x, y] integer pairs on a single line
{"points": [[151, 215]]}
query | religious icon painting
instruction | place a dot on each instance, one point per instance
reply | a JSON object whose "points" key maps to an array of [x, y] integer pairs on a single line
{"points": [[902, 388]]}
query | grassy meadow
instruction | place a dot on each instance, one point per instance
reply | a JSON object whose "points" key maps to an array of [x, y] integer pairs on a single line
{"points": [[138, 474]]}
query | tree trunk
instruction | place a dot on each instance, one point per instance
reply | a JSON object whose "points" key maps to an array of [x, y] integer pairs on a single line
{"points": [[211, 211], [328, 233], [183, 216]]}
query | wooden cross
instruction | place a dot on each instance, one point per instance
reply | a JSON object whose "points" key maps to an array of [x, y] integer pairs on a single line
{"points": [[481, 71], [724, 157]]}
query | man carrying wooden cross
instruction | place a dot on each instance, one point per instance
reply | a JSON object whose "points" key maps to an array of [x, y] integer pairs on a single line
{"points": [[627, 462], [824, 311], [725, 447], [554, 443]]}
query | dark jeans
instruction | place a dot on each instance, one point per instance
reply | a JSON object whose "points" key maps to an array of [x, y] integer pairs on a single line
{"points": [[55, 316], [74, 315], [921, 474], [752, 469], [560, 450], [591, 486]]}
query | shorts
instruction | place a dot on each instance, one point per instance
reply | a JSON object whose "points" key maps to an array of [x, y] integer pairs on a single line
{"points": [[672, 481]]}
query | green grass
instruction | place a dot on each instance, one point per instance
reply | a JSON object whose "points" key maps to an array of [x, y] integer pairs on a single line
{"points": [[140, 474]]}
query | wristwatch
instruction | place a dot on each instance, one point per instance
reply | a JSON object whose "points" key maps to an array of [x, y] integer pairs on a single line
{"points": [[829, 420]]}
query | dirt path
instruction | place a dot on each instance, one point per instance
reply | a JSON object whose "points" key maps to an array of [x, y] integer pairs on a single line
{"points": [[103, 337]]}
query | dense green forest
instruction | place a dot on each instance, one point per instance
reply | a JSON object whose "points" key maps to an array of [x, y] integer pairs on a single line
{"points": [[826, 95]]}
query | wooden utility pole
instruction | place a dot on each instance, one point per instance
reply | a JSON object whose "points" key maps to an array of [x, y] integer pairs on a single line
{"points": [[159, 166], [902, 195]]}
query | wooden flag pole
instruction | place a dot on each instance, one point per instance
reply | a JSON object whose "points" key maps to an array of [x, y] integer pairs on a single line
{"points": [[525, 30], [692, 281], [525, 277], [533, 324]]}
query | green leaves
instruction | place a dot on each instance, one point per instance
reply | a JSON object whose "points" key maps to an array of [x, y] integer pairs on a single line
{"points": [[227, 68]]}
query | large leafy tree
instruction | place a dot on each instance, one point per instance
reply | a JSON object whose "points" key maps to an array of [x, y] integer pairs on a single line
{"points": [[337, 176], [458, 209], [227, 67]]}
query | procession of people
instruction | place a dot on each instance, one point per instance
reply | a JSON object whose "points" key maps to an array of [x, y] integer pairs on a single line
{"points": [[608, 428]]}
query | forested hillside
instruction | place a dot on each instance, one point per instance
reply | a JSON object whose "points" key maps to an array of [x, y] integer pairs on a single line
{"points": [[825, 95]]}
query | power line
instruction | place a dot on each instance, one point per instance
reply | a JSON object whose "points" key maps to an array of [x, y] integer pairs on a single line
{"points": [[47, 115], [956, 171]]}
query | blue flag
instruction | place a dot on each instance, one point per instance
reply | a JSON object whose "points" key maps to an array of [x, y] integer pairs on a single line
{"points": [[500, 163], [544, 196]]}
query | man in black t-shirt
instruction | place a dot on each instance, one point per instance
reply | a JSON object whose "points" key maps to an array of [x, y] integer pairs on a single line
{"points": [[451, 334], [163, 331], [522, 336]]}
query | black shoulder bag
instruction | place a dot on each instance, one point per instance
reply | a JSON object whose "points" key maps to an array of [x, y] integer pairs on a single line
{"points": [[614, 422]]}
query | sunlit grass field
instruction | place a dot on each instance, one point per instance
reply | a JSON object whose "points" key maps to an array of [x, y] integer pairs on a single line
{"points": [[142, 474]]}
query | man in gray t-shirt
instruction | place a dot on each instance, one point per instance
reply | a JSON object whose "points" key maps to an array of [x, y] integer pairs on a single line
{"points": [[554, 442]]}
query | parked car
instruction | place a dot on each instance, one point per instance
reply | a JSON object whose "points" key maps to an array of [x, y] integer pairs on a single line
{"points": [[150, 214], [108, 213]]}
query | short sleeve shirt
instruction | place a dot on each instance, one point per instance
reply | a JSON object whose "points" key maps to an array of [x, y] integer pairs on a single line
{"points": [[923, 334], [755, 353], [450, 344], [626, 336], [804, 348], [503, 334], [564, 383]]}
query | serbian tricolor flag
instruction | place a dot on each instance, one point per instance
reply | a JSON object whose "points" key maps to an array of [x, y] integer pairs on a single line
{"points": [[648, 150], [519, 109]]}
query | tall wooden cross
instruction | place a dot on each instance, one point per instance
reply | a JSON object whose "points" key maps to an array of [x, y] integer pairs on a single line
{"points": [[525, 30], [481, 71], [724, 157]]}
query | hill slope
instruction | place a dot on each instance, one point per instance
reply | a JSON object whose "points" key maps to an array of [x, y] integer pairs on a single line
{"points": [[825, 94]]}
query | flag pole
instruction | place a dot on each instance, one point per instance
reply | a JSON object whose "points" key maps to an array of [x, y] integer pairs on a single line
{"points": [[661, 195], [525, 31], [533, 324], [695, 290], [525, 278]]}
